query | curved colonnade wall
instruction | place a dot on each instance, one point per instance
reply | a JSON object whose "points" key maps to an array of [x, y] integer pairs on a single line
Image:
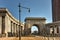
{"points": [[9, 26]]}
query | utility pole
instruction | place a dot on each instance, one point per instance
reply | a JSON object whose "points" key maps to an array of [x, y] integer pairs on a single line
{"points": [[20, 31]]}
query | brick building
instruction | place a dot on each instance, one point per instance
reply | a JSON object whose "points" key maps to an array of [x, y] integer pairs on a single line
{"points": [[55, 10]]}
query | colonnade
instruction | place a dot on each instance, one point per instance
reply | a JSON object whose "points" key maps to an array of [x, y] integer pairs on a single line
{"points": [[14, 28], [55, 29]]}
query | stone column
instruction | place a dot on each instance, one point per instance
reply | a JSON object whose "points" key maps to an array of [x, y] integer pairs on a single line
{"points": [[27, 29], [51, 30], [0, 24], [15, 28], [12, 27], [59, 29], [9, 26], [55, 30], [3, 24]]}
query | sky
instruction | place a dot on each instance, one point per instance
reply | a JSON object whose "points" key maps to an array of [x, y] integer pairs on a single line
{"points": [[34, 28], [38, 8]]}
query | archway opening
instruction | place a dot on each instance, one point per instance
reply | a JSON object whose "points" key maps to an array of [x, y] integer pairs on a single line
{"points": [[34, 30]]}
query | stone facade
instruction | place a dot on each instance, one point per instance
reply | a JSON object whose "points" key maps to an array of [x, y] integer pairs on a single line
{"points": [[49, 29], [34, 21], [8, 24], [53, 28]]}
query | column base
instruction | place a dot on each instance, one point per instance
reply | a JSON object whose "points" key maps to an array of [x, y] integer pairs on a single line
{"points": [[3, 35]]}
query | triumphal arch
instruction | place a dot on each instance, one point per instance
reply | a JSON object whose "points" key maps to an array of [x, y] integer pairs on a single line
{"points": [[34, 21]]}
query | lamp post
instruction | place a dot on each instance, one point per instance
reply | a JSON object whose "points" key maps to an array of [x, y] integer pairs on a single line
{"points": [[20, 29]]}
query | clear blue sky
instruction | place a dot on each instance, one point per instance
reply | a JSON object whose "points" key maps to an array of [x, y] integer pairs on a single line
{"points": [[39, 8], [34, 28]]}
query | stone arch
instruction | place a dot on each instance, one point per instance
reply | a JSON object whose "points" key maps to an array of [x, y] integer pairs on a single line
{"points": [[30, 21], [37, 25]]}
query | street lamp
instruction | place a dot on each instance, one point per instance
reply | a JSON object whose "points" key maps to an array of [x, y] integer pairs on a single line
{"points": [[20, 18]]}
